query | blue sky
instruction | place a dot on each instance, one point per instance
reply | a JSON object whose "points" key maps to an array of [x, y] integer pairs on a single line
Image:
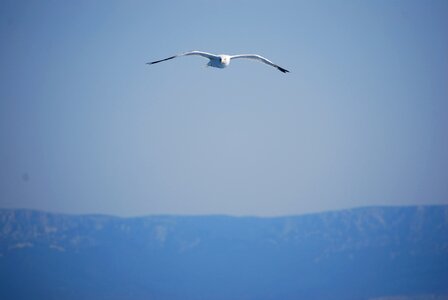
{"points": [[87, 127]]}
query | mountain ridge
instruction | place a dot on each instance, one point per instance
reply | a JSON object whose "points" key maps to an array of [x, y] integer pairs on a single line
{"points": [[360, 253]]}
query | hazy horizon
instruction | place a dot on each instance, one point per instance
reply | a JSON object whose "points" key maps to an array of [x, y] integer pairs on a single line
{"points": [[367, 207]]}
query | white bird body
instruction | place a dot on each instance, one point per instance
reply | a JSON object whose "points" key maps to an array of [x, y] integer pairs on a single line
{"points": [[223, 60]]}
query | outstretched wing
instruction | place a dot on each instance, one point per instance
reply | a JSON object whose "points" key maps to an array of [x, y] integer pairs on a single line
{"points": [[200, 53], [259, 58]]}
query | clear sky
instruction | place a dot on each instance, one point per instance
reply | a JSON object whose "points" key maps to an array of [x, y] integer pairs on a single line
{"points": [[87, 127]]}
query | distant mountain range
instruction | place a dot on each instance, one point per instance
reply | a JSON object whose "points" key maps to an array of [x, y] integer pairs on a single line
{"points": [[382, 253]]}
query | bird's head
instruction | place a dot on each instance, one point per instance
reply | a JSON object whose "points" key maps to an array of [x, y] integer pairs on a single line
{"points": [[225, 59]]}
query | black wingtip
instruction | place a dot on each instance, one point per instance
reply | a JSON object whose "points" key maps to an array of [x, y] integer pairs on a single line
{"points": [[282, 70], [157, 61]]}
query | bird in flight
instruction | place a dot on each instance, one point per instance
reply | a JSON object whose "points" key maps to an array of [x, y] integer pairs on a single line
{"points": [[221, 61]]}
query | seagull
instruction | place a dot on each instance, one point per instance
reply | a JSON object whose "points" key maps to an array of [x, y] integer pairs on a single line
{"points": [[222, 60]]}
